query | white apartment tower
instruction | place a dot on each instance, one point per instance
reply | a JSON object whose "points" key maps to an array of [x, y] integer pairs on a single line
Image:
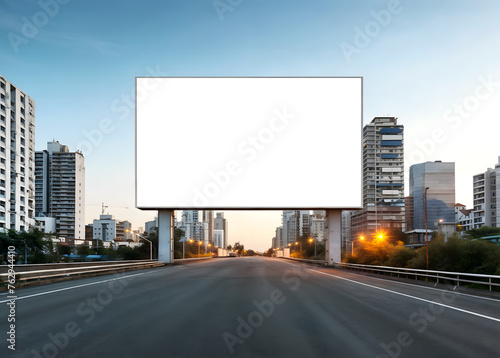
{"points": [[486, 198], [17, 158], [60, 189]]}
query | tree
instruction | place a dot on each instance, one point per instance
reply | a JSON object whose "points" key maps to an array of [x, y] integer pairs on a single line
{"points": [[482, 232], [34, 244], [178, 235], [84, 250], [7, 239], [239, 248], [269, 252]]}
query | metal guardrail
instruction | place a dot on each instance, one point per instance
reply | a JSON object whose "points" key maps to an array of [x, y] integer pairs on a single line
{"points": [[49, 266], [456, 277], [90, 268], [191, 259], [316, 262]]}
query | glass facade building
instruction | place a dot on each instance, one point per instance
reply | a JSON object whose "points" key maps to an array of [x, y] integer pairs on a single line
{"points": [[439, 177]]}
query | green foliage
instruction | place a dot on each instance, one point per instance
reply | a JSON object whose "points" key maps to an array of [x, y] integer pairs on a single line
{"points": [[128, 253], [84, 250], [269, 252], [399, 255], [455, 255], [482, 232], [239, 248]]}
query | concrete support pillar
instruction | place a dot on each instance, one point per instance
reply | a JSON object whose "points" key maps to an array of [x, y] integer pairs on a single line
{"points": [[166, 236], [333, 235]]}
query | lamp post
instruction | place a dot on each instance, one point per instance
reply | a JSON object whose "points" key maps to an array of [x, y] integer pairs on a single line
{"points": [[425, 223], [190, 241], [150, 246], [199, 245], [311, 240], [299, 243]]}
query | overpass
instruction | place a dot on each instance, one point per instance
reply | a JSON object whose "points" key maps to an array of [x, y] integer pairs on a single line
{"points": [[249, 307]]}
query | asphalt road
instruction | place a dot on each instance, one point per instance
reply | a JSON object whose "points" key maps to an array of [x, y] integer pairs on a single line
{"points": [[248, 307]]}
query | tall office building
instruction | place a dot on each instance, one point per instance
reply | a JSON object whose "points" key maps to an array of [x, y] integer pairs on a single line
{"points": [[17, 158], [60, 189], [208, 217], [439, 177], [295, 223], [220, 231], [486, 200], [383, 178]]}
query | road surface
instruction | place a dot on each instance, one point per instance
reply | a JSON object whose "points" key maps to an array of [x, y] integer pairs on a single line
{"points": [[248, 307]]}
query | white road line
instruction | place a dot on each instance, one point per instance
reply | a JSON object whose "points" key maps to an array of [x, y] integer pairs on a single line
{"points": [[410, 296], [427, 287], [411, 284], [72, 287]]}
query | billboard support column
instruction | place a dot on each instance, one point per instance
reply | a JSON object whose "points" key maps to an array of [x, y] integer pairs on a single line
{"points": [[333, 235], [166, 236]]}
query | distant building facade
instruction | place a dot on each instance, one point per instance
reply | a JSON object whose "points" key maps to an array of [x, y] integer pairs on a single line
{"points": [[60, 189], [383, 179], [220, 224], [486, 200], [439, 177], [464, 218], [17, 158]]}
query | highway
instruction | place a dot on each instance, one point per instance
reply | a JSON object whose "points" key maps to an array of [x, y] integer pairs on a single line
{"points": [[248, 307]]}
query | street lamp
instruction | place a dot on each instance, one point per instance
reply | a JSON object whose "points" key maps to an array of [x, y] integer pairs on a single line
{"points": [[425, 222], [150, 246], [312, 240], [199, 245], [299, 243]]}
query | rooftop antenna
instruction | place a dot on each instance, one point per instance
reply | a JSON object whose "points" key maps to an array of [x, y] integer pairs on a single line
{"points": [[103, 208]]}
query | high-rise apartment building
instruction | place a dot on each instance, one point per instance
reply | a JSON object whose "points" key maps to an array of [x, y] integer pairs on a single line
{"points": [[486, 200], [17, 158], [295, 223], [220, 227], [439, 178], [208, 217], [383, 178], [60, 189]]}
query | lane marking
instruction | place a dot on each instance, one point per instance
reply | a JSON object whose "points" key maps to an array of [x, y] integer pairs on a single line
{"points": [[427, 287], [72, 287], [410, 296], [411, 284]]}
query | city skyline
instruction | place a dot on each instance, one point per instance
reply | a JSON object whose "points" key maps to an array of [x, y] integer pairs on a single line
{"points": [[431, 65]]}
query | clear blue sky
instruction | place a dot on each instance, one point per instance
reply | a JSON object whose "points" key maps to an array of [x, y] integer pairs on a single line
{"points": [[422, 61]]}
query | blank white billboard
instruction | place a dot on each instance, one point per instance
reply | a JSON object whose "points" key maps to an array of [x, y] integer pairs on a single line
{"points": [[248, 143]]}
